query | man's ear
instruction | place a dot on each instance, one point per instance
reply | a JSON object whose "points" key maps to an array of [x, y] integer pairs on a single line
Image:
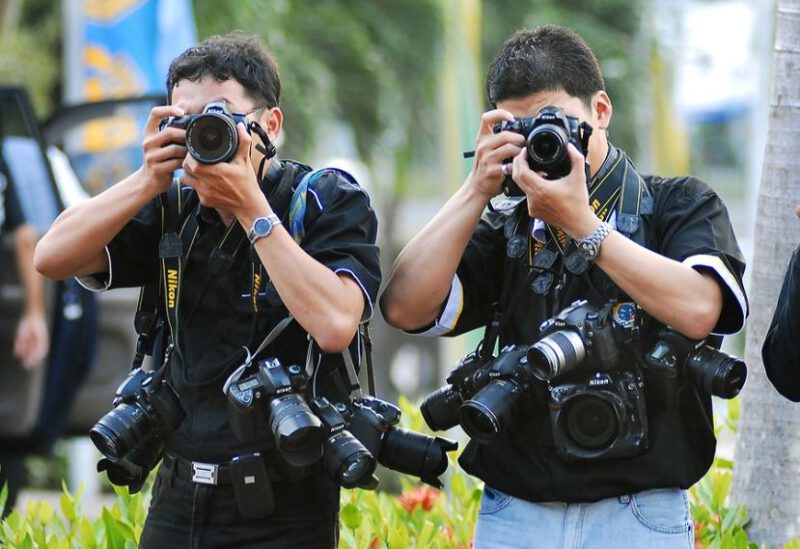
{"points": [[602, 109], [272, 121]]}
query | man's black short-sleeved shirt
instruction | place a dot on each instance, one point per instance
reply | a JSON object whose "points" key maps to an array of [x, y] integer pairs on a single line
{"points": [[688, 223], [216, 314]]}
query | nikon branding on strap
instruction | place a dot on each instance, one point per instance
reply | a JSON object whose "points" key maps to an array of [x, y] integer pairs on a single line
{"points": [[617, 187]]}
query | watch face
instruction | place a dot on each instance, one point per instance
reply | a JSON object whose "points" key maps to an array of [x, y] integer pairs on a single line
{"points": [[261, 226], [589, 249]]}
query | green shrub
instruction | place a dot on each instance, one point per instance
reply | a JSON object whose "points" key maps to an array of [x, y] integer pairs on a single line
{"points": [[420, 516]]}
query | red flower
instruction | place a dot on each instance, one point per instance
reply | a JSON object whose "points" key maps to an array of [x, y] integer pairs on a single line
{"points": [[421, 495]]}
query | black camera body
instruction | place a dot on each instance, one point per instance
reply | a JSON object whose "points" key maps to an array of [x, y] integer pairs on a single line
{"points": [[440, 409], [580, 332], [603, 416], [211, 136], [675, 358], [274, 395], [346, 459], [374, 422], [546, 136], [597, 408], [131, 436]]}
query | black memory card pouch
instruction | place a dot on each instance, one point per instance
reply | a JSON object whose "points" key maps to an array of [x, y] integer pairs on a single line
{"points": [[252, 487]]}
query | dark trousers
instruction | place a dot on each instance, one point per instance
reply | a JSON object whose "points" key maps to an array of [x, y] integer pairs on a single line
{"points": [[184, 514], [12, 475]]}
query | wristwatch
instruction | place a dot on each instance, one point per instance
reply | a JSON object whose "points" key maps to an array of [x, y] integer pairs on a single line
{"points": [[589, 246], [262, 226]]}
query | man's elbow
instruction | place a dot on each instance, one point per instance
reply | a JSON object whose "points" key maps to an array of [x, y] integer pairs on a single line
{"points": [[702, 322], [45, 262], [396, 314], [336, 334]]}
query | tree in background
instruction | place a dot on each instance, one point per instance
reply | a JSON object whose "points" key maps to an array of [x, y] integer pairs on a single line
{"points": [[767, 467]]}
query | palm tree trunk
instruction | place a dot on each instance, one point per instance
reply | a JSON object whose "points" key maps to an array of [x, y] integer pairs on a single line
{"points": [[767, 467]]}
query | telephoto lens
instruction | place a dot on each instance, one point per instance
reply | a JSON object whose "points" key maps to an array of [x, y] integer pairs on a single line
{"points": [[373, 422]]}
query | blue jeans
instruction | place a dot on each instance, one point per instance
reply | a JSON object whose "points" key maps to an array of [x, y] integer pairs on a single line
{"points": [[653, 519]]}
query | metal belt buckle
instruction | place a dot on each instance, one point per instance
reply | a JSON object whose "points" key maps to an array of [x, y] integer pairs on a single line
{"points": [[204, 473]]}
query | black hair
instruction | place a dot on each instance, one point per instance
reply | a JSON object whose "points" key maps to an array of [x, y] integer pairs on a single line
{"points": [[546, 58], [234, 56]]}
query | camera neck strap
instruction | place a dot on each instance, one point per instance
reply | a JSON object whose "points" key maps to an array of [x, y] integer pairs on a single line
{"points": [[616, 187]]}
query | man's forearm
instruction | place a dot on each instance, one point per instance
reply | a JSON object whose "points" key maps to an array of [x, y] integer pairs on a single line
{"points": [[32, 283], [423, 272], [75, 243], [673, 293]]}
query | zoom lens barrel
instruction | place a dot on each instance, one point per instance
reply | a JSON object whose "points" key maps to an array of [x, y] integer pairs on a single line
{"points": [[556, 354], [298, 432]]}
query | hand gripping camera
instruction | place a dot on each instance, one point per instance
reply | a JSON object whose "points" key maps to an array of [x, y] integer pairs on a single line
{"points": [[210, 136], [275, 391], [546, 136], [131, 435]]}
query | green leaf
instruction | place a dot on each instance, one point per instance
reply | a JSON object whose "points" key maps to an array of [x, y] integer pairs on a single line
{"points": [[3, 495], [425, 535], [113, 533], [351, 516], [67, 504], [86, 533], [399, 537]]}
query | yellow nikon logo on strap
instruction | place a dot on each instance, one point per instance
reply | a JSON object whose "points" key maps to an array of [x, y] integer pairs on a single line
{"points": [[256, 288], [172, 287]]}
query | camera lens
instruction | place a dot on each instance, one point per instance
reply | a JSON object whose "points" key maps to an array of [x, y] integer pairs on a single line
{"points": [[212, 138], [547, 144], [490, 410], [347, 461], [556, 354], [440, 408], [591, 422], [119, 430], [415, 453], [717, 373], [298, 432]]}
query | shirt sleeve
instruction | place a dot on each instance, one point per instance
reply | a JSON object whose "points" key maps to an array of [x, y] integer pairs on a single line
{"points": [[693, 227], [477, 282], [341, 232], [132, 253], [781, 351]]}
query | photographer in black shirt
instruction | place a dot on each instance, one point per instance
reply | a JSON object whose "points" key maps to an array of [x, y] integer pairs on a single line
{"points": [[235, 259], [593, 419]]}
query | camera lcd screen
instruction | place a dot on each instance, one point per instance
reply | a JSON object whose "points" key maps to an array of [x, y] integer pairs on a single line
{"points": [[249, 384]]}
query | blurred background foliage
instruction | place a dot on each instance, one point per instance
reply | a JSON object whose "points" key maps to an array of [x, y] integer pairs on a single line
{"points": [[375, 65]]}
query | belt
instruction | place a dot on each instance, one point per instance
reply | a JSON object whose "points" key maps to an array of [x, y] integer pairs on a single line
{"points": [[219, 474], [198, 472]]}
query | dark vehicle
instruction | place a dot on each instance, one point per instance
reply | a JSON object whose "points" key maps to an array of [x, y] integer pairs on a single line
{"points": [[92, 335]]}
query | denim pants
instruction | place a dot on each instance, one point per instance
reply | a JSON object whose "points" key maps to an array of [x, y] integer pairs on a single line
{"points": [[653, 519], [186, 515]]}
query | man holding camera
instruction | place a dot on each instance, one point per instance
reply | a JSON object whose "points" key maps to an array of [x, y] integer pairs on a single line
{"points": [[233, 269], [590, 438]]}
